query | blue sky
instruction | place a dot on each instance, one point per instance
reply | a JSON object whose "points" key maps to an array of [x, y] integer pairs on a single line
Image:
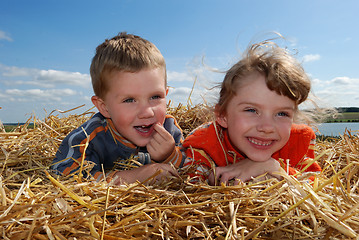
{"points": [[46, 46]]}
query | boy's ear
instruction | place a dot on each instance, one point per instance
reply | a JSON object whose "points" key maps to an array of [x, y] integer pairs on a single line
{"points": [[101, 106]]}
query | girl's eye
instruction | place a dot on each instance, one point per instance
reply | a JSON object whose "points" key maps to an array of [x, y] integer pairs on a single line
{"points": [[129, 100], [283, 114]]}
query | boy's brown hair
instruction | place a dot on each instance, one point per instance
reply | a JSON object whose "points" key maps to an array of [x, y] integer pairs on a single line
{"points": [[283, 74], [124, 52]]}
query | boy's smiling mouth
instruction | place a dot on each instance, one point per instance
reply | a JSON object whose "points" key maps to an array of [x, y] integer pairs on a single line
{"points": [[144, 128]]}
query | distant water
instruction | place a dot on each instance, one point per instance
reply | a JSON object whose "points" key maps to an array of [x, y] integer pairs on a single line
{"points": [[336, 129]]}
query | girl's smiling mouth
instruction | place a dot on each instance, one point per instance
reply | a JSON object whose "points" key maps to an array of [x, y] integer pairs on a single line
{"points": [[260, 143]]}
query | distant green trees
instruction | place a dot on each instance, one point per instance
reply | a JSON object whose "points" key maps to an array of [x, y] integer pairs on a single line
{"points": [[347, 109]]}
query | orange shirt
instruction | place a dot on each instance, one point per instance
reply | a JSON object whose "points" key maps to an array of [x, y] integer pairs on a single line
{"points": [[205, 145]]}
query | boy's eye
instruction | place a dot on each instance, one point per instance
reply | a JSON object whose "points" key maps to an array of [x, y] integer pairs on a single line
{"points": [[250, 110], [156, 97], [128, 100]]}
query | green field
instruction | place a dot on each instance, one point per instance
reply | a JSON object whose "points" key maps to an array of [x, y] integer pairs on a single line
{"points": [[11, 127], [346, 117]]}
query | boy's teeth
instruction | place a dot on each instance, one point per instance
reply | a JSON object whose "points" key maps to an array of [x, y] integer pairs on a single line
{"points": [[143, 128]]}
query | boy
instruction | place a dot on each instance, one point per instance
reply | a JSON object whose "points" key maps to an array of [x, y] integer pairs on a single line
{"points": [[129, 80]]}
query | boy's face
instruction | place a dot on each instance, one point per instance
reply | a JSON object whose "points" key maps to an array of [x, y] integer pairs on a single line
{"points": [[135, 102], [258, 120]]}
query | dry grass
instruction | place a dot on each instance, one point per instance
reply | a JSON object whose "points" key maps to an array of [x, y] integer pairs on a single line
{"points": [[36, 205]]}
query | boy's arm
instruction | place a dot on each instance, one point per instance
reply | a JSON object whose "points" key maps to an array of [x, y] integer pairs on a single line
{"points": [[69, 157], [159, 172], [161, 145], [76, 146], [167, 141]]}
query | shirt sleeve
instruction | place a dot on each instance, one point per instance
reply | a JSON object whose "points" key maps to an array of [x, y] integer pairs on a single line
{"points": [[89, 148], [77, 149], [299, 152], [197, 163], [178, 155], [309, 156]]}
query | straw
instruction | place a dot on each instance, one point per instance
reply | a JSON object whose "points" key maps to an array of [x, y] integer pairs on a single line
{"points": [[36, 204]]}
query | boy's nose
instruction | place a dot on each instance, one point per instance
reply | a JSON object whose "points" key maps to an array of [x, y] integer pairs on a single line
{"points": [[146, 111]]}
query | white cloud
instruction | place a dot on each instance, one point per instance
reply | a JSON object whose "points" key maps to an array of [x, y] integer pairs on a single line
{"points": [[31, 95], [70, 78], [44, 78], [311, 57], [187, 95], [28, 90], [293, 41], [178, 76], [338, 83], [344, 81], [18, 104], [337, 92], [5, 36], [12, 71]]}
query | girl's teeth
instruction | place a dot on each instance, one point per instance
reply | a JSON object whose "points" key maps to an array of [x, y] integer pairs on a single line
{"points": [[259, 143]]}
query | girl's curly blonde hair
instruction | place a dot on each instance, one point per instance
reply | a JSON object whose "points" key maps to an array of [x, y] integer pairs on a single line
{"points": [[283, 74]]}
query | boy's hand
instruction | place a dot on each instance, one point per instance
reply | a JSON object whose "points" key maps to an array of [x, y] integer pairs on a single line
{"points": [[144, 172], [161, 145], [243, 170]]}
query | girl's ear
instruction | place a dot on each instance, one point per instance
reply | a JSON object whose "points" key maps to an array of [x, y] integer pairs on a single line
{"points": [[101, 106], [221, 117], [222, 120]]}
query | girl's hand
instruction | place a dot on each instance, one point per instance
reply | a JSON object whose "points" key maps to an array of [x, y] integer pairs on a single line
{"points": [[144, 172], [244, 170], [161, 145]]}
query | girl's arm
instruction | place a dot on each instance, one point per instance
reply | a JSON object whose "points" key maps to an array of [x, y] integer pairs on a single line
{"points": [[197, 164], [244, 170]]}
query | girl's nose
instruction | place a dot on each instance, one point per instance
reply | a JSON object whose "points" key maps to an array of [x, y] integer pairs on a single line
{"points": [[265, 124]]}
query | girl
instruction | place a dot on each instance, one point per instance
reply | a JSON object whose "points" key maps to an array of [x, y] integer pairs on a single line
{"points": [[254, 132]]}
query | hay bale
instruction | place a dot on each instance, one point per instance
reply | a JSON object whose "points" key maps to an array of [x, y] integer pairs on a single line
{"points": [[36, 205]]}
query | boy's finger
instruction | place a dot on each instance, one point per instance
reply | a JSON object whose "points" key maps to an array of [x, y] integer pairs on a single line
{"points": [[161, 130], [169, 169], [174, 172], [156, 142], [156, 139]]}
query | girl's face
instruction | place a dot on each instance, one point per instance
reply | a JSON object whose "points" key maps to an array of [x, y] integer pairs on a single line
{"points": [[258, 120]]}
